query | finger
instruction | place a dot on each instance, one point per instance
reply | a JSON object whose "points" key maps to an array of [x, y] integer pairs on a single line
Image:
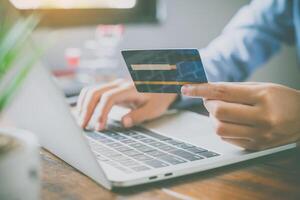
{"points": [[108, 100], [246, 144], [232, 112], [247, 83], [139, 115], [230, 130], [92, 98], [231, 92], [80, 100]]}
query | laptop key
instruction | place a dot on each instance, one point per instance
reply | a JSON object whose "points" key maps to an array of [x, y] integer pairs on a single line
{"points": [[184, 145], [151, 133], [148, 140], [115, 145], [115, 128], [132, 153], [196, 150], [130, 133], [137, 145], [173, 142], [157, 144], [125, 132], [209, 154], [156, 153], [119, 137], [186, 155], [145, 149], [172, 159], [127, 141], [167, 148], [156, 163], [106, 141], [115, 135], [141, 157], [94, 135], [138, 137], [111, 134], [140, 168], [123, 148]]}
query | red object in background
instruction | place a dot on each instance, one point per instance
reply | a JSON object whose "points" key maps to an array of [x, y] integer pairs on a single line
{"points": [[72, 56], [73, 61]]}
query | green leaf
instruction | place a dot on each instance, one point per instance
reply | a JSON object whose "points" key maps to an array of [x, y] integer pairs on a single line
{"points": [[14, 41], [10, 90]]}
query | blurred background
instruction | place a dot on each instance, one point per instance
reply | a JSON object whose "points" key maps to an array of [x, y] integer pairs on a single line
{"points": [[88, 35]]}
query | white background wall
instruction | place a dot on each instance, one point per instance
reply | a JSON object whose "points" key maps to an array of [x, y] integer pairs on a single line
{"points": [[190, 23]]}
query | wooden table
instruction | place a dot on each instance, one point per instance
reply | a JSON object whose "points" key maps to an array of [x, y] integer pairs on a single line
{"points": [[272, 177]]}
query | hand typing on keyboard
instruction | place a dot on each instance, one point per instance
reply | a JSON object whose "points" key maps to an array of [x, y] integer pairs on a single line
{"points": [[100, 99]]}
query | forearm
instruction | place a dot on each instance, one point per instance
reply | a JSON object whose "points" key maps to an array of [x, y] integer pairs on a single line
{"points": [[250, 39]]}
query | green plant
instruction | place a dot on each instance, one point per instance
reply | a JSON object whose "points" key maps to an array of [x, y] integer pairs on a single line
{"points": [[13, 38]]}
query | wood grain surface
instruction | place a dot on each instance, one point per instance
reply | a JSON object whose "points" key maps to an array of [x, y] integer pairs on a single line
{"points": [[273, 177]]}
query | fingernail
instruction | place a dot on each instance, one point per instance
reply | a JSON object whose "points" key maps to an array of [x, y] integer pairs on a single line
{"points": [[99, 126], [185, 89], [127, 122]]}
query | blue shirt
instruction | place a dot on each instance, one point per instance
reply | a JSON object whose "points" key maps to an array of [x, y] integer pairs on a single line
{"points": [[252, 37]]}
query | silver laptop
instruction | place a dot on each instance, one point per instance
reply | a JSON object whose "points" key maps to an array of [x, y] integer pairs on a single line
{"points": [[174, 145]]}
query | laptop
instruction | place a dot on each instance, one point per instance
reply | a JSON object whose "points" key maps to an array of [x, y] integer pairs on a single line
{"points": [[174, 145]]}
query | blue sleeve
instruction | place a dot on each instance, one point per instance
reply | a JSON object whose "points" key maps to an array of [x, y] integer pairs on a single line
{"points": [[251, 38]]}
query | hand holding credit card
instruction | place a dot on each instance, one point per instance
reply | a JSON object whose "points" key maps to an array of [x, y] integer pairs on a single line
{"points": [[164, 70]]}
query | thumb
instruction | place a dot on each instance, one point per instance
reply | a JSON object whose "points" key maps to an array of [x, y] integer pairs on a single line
{"points": [[204, 90], [138, 116]]}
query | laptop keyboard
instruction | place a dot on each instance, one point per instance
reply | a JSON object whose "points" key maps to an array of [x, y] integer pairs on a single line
{"points": [[139, 149]]}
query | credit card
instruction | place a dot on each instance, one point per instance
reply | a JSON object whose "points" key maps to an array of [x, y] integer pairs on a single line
{"points": [[164, 70]]}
